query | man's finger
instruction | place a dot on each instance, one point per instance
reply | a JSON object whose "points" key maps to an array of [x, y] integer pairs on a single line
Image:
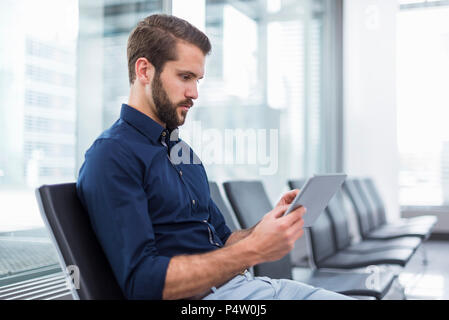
{"points": [[298, 225], [290, 196], [279, 211], [296, 214]]}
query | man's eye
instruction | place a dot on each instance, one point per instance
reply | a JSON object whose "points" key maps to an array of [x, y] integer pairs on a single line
{"points": [[185, 77]]}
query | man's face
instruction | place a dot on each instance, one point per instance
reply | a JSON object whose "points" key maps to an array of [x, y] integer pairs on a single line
{"points": [[175, 88]]}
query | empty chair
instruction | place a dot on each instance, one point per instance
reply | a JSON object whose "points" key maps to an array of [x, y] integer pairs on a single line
{"points": [[369, 227], [343, 238], [250, 202], [296, 184], [327, 255], [215, 194], [378, 220], [373, 193], [76, 242]]}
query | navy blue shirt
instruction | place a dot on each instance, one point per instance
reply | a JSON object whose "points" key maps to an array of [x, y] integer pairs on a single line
{"points": [[148, 199]]}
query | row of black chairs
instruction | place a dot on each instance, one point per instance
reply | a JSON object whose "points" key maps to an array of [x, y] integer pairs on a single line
{"points": [[76, 243], [331, 242]]}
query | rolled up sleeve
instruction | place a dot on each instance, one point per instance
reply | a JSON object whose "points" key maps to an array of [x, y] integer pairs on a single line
{"points": [[110, 186]]}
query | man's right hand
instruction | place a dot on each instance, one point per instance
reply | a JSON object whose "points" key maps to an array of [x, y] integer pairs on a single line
{"points": [[275, 235]]}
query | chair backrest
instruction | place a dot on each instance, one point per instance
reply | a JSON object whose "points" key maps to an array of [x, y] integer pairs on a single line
{"points": [[339, 219], [230, 218], [296, 184], [250, 203], [322, 239], [367, 202], [363, 216], [69, 225], [373, 192], [323, 233]]}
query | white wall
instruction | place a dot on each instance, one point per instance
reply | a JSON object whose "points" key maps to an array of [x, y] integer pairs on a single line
{"points": [[370, 138]]}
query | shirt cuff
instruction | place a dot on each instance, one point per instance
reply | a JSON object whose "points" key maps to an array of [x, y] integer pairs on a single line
{"points": [[148, 280]]}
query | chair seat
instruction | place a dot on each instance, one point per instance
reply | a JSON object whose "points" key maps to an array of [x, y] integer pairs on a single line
{"points": [[425, 221], [382, 245], [351, 260], [392, 233], [357, 284], [405, 228]]}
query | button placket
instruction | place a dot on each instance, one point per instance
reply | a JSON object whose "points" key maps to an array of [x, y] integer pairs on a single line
{"points": [[179, 171]]}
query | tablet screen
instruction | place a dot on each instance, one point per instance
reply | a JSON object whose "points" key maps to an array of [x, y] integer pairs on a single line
{"points": [[316, 194]]}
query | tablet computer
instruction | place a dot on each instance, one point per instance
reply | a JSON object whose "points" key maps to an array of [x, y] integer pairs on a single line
{"points": [[316, 194]]}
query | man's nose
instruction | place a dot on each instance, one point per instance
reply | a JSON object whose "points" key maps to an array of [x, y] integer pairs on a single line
{"points": [[192, 91]]}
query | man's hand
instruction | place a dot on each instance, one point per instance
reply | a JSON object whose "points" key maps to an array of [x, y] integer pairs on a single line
{"points": [[275, 235], [238, 235], [287, 198]]}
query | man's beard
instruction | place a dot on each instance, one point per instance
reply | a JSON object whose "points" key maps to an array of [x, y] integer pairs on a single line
{"points": [[165, 109]]}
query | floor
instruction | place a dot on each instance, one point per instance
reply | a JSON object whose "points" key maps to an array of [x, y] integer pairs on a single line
{"points": [[25, 250], [418, 281], [425, 282]]}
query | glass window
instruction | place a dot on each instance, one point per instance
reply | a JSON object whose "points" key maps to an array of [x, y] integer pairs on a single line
{"points": [[422, 78], [259, 104], [64, 76], [37, 122]]}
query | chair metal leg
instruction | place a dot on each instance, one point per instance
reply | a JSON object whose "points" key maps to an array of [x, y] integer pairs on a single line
{"points": [[425, 260], [402, 290]]}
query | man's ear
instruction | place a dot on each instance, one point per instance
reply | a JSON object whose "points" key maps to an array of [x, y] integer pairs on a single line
{"points": [[144, 70]]}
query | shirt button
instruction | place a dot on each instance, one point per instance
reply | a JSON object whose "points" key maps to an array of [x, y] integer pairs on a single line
{"points": [[193, 201], [163, 133], [180, 172]]}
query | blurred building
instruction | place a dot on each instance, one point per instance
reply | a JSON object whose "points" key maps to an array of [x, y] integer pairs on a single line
{"points": [[38, 111]]}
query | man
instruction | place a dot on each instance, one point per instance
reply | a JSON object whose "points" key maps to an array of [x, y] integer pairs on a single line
{"points": [[160, 230]]}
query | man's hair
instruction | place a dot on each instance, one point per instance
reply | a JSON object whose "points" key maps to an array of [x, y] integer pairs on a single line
{"points": [[155, 38]]}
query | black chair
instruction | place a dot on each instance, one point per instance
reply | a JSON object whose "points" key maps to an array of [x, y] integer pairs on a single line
{"points": [[369, 226], [249, 208], [343, 239], [380, 220], [215, 194], [76, 243], [367, 185], [340, 227], [250, 202], [326, 254]]}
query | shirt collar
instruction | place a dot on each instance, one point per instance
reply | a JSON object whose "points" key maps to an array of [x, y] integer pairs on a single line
{"points": [[145, 125]]}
